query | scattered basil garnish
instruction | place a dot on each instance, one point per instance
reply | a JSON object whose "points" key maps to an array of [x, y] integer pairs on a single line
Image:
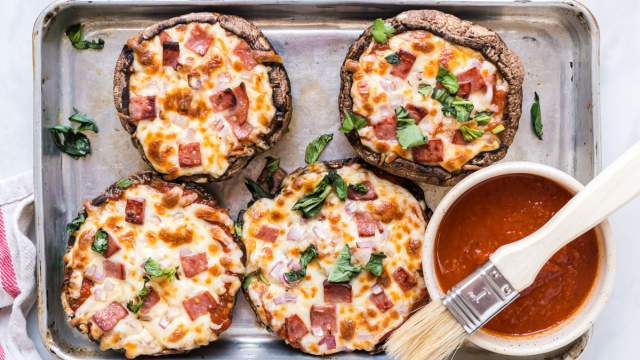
{"points": [[536, 116], [470, 133], [462, 108], [273, 164], [74, 33], [100, 242], [84, 120], [237, 226], [248, 278], [307, 256], [257, 192], [75, 224], [153, 269], [448, 80], [407, 132], [340, 185], [382, 31], [124, 183], [498, 129], [315, 148], [359, 188], [135, 305], [343, 271], [374, 266], [71, 140], [425, 89], [483, 117], [352, 121], [393, 58], [311, 204]]}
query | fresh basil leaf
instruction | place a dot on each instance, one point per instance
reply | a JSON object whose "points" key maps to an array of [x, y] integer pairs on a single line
{"points": [[393, 58], [483, 117], [340, 185], [257, 192], [273, 164], [536, 116], [311, 204], [462, 108], [154, 270], [407, 132], [306, 257], [237, 226], [315, 148], [135, 305], [359, 188], [248, 278], [402, 114], [498, 129], [470, 133], [448, 80], [74, 33], [352, 121], [374, 265], [124, 183], [100, 242], [85, 122], [75, 224], [382, 31], [442, 96], [425, 89], [69, 141], [343, 271]]}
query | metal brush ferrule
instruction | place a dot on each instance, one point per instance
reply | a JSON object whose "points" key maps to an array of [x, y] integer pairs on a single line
{"points": [[479, 297]]}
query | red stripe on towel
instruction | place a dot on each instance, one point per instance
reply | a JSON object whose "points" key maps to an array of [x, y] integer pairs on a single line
{"points": [[1, 353], [7, 274]]}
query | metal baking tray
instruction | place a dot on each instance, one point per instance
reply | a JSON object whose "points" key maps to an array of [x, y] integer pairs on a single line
{"points": [[557, 41]]}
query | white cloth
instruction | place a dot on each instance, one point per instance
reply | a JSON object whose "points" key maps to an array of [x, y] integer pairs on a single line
{"points": [[17, 267]]}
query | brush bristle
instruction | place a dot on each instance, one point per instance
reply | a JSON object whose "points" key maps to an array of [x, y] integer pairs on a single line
{"points": [[432, 333]]}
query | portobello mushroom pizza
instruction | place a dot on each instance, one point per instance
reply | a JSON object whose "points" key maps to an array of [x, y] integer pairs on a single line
{"points": [[201, 94], [430, 97], [152, 268], [334, 258]]}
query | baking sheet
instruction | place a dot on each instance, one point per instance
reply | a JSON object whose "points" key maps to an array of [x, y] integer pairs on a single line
{"points": [[557, 41]]}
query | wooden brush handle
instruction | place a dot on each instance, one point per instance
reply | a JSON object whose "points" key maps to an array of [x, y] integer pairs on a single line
{"points": [[521, 261]]}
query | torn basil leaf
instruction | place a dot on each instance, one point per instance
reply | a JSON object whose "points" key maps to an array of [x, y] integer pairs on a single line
{"points": [[425, 89], [483, 117], [374, 266], [273, 164], [75, 224], [393, 58], [237, 226], [70, 141], [248, 278], [359, 188], [407, 132], [382, 31], [124, 183], [315, 148], [100, 242], [343, 271], [74, 33], [85, 122], [154, 270], [257, 192], [339, 184], [352, 121], [306, 257], [498, 129], [448, 80], [470, 133], [462, 109], [135, 305], [536, 116], [311, 204]]}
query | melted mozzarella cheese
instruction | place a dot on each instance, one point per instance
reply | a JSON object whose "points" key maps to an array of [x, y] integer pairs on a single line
{"points": [[160, 136], [163, 238], [376, 93], [400, 239]]}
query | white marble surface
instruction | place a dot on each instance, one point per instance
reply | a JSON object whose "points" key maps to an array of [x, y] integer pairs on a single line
{"points": [[614, 335]]}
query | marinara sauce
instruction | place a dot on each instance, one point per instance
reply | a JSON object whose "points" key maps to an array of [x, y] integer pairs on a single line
{"points": [[502, 210]]}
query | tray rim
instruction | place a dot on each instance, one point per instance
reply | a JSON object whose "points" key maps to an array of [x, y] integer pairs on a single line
{"points": [[56, 7]]}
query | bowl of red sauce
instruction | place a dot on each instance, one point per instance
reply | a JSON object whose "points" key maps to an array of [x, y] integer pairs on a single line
{"points": [[502, 204]]}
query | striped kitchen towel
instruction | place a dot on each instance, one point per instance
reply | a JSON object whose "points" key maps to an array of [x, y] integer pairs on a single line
{"points": [[17, 267]]}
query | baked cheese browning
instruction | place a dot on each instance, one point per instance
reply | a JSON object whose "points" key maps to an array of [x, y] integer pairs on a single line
{"points": [[310, 312], [154, 268], [198, 95], [402, 74]]}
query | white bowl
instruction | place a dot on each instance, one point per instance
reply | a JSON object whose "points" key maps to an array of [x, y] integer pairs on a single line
{"points": [[570, 329]]}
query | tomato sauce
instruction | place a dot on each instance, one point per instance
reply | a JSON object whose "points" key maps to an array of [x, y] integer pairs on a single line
{"points": [[503, 210]]}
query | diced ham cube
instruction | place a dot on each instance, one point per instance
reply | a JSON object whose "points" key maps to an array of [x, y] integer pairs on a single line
{"points": [[223, 100], [142, 108], [199, 40], [380, 47], [194, 264], [336, 293], [330, 341], [85, 292], [499, 99], [268, 233], [170, 53], [134, 211], [295, 328], [149, 301], [164, 37], [114, 269], [458, 138], [405, 280], [464, 89], [366, 224], [403, 68], [324, 317], [431, 152], [381, 301], [369, 195], [108, 318], [242, 131], [416, 112], [245, 53], [240, 111], [199, 305], [189, 154], [385, 129], [473, 78], [112, 247]]}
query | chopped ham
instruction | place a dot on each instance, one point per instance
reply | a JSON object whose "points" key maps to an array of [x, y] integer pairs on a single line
{"points": [[142, 108], [385, 129], [473, 78], [380, 47], [369, 195], [223, 100], [323, 317], [381, 301], [458, 138], [268, 233], [189, 154], [134, 211], [403, 68], [112, 247], [269, 56], [242, 131], [499, 99], [336, 293], [464, 89], [85, 292], [241, 109], [114, 269], [199, 305], [164, 37], [245, 53], [199, 40], [405, 280], [170, 53], [330, 341], [431, 152], [416, 112], [194, 264], [149, 301], [108, 317], [347, 329], [295, 328], [367, 225]]}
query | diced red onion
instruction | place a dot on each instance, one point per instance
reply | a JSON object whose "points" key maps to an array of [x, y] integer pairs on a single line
{"points": [[350, 207], [219, 125], [277, 269], [108, 285], [366, 244], [194, 82], [294, 265], [364, 336], [285, 298], [319, 233], [295, 233], [330, 341], [317, 331], [94, 273], [179, 121], [164, 322], [185, 251], [376, 289], [99, 294], [188, 199]]}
